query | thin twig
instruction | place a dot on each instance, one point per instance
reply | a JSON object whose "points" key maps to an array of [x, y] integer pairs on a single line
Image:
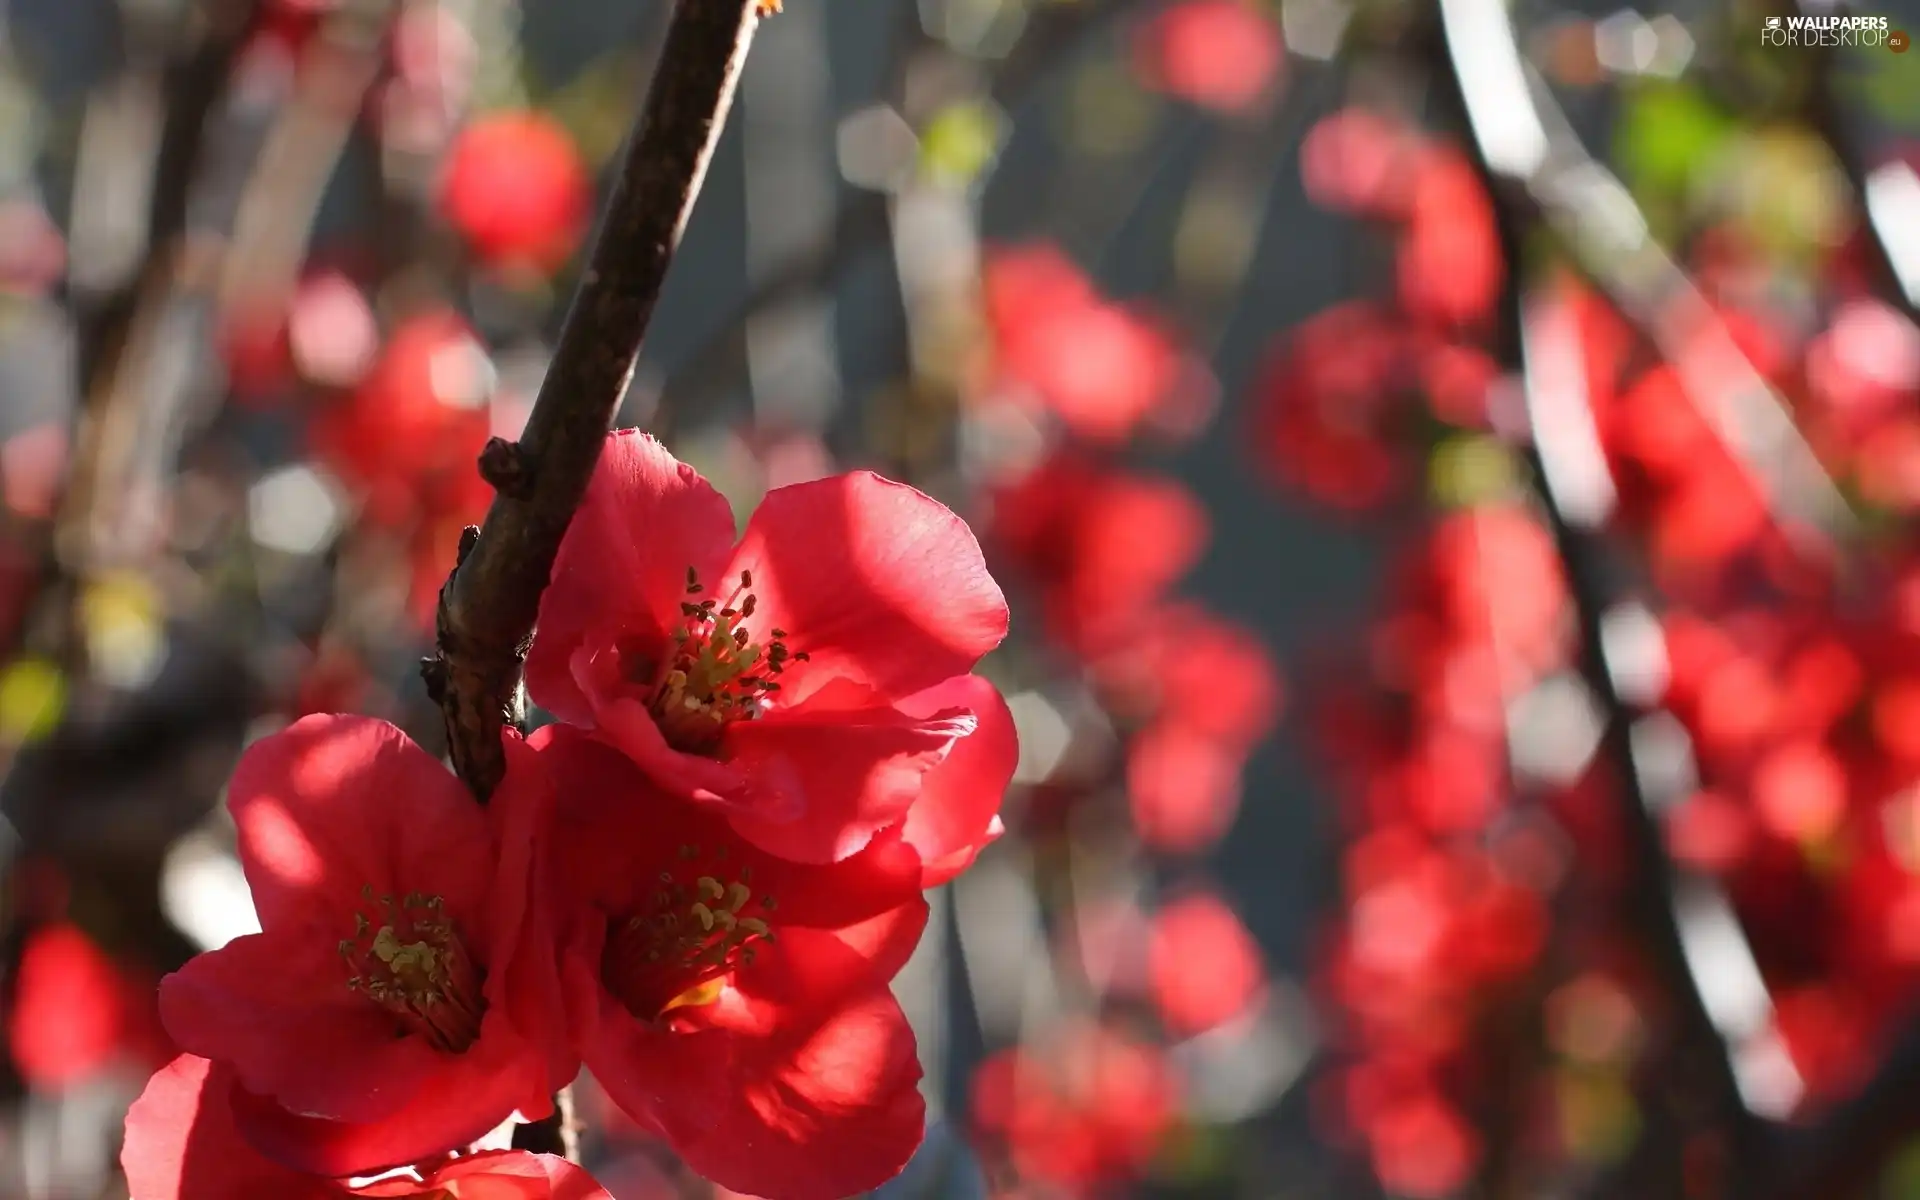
{"points": [[488, 606]]}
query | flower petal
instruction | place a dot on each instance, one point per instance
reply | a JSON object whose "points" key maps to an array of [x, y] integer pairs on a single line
{"points": [[333, 804], [817, 1109], [622, 567], [873, 581], [843, 775], [282, 1017], [959, 799], [181, 1144], [462, 1107]]}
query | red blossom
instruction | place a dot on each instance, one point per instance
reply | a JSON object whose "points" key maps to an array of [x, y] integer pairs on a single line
{"points": [[516, 189], [1087, 1105], [733, 1003], [1331, 399], [410, 432], [394, 987], [774, 677], [1357, 161], [1218, 54], [75, 1010], [1450, 262], [1104, 369], [1203, 965], [182, 1144], [1101, 544]]}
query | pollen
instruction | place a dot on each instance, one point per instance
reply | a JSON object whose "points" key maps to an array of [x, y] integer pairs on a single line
{"points": [[409, 959], [694, 929], [716, 671]]}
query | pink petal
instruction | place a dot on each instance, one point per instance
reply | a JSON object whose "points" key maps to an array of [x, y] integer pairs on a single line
{"points": [[181, 1144], [960, 799], [282, 1017], [622, 567], [873, 580], [334, 804], [844, 775]]}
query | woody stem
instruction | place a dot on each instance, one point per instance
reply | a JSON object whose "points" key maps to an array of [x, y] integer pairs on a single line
{"points": [[488, 605]]}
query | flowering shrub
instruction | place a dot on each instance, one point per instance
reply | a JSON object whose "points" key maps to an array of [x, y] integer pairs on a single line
{"points": [[700, 886]]}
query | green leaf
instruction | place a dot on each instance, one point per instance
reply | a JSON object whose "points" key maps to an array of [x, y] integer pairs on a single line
{"points": [[33, 696], [1668, 132], [960, 142]]}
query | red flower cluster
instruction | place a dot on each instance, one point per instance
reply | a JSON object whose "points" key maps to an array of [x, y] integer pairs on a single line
{"points": [[700, 886], [1086, 1106], [1434, 919], [1340, 409]]}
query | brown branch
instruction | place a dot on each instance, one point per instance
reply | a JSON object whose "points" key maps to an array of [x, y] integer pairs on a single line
{"points": [[488, 606]]}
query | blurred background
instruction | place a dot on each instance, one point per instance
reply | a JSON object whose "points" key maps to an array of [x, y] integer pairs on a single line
{"points": [[1454, 466]]}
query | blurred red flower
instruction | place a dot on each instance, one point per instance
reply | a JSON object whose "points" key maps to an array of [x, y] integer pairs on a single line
{"points": [[1100, 543], [1103, 369], [1218, 54], [1085, 1105], [75, 1010], [409, 435], [1202, 964], [515, 187]]}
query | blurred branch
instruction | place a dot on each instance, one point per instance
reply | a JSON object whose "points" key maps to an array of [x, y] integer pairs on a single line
{"points": [[1538, 166], [1888, 195], [1530, 172], [862, 223], [488, 606], [275, 218], [1844, 1152], [109, 325]]}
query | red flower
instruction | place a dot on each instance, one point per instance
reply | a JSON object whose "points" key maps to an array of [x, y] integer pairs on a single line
{"points": [[387, 988], [74, 1009], [516, 189], [1218, 54], [1102, 544], [773, 677], [1087, 1105], [182, 1144], [732, 1002], [958, 811], [1104, 369], [1203, 965], [1333, 401], [414, 426]]}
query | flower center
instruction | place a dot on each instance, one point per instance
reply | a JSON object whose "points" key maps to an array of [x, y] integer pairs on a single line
{"points": [[687, 937], [409, 959], [715, 673]]}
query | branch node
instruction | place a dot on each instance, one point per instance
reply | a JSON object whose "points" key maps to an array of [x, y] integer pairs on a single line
{"points": [[508, 468]]}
